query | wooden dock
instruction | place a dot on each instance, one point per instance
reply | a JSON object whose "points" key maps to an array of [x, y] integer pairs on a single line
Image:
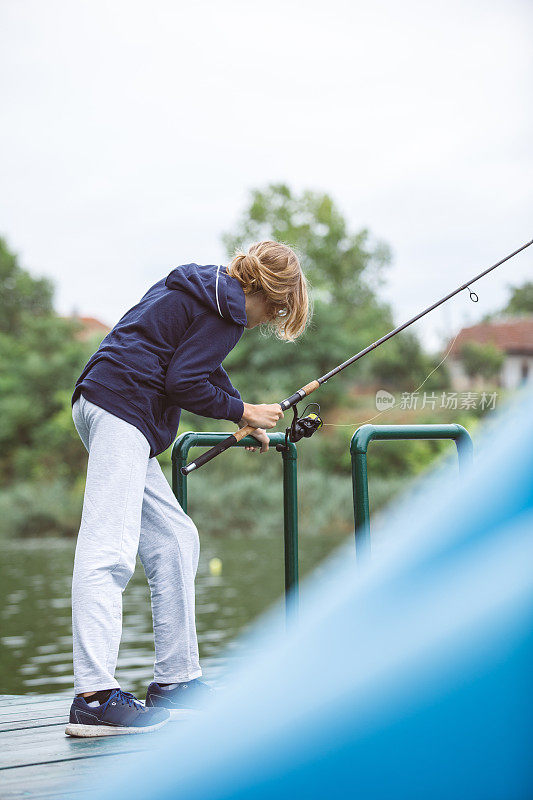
{"points": [[37, 759]]}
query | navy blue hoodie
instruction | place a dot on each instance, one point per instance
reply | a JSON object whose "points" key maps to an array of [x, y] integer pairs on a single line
{"points": [[165, 354]]}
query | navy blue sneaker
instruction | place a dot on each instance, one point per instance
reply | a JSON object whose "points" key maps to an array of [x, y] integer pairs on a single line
{"points": [[121, 713], [179, 697]]}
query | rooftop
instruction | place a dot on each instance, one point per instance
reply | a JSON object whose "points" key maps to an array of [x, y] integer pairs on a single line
{"points": [[512, 335], [90, 326]]}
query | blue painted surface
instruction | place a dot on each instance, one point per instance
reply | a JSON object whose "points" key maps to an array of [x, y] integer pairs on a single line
{"points": [[410, 678]]}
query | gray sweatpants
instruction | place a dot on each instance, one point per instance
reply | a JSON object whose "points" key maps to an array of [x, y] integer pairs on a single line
{"points": [[128, 508]]}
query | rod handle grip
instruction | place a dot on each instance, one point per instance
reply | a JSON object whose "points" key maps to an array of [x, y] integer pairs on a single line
{"points": [[299, 395], [217, 449]]}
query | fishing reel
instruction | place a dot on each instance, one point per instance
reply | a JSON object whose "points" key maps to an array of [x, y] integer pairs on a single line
{"points": [[302, 427]]}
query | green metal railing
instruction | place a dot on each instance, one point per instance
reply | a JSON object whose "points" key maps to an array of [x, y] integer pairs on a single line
{"points": [[358, 450], [180, 453]]}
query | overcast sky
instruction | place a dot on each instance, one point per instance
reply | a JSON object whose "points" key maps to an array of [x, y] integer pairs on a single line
{"points": [[133, 131]]}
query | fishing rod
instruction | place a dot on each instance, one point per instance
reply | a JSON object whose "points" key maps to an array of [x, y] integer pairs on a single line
{"points": [[307, 425]]}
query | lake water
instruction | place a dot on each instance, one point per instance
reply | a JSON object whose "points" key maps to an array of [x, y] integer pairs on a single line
{"points": [[35, 633]]}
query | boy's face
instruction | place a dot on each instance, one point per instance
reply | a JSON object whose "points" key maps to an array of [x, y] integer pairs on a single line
{"points": [[259, 309]]}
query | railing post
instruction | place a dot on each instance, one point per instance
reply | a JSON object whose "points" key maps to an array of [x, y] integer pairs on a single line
{"points": [[361, 504], [180, 455], [290, 528], [465, 448]]}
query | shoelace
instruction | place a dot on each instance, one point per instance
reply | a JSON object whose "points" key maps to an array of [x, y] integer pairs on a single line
{"points": [[127, 699]]}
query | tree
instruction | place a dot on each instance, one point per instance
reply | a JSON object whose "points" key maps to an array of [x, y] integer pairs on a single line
{"points": [[343, 269], [20, 294], [521, 300], [402, 364], [482, 360], [40, 359]]}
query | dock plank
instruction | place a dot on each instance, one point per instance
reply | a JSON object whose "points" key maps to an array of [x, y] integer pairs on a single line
{"points": [[42, 722], [33, 711], [38, 760], [7, 700], [49, 754], [61, 779]]}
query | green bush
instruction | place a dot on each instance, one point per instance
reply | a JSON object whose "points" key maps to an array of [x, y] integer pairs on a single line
{"points": [[40, 509]]}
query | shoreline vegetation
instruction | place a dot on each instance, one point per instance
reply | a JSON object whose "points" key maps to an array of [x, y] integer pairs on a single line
{"points": [[42, 462]]}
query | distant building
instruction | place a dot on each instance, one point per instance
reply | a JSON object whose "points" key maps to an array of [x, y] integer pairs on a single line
{"points": [[90, 328], [513, 336]]}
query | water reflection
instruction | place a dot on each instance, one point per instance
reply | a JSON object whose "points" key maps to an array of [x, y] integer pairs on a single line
{"points": [[35, 634]]}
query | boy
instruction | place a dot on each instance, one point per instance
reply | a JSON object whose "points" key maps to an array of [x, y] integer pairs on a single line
{"points": [[165, 354]]}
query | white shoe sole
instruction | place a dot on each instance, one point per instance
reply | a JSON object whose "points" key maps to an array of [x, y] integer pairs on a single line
{"points": [[86, 731]]}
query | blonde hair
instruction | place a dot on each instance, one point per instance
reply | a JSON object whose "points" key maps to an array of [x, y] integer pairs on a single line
{"points": [[274, 268]]}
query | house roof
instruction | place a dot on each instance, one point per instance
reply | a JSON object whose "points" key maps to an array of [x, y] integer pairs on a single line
{"points": [[90, 326], [513, 335]]}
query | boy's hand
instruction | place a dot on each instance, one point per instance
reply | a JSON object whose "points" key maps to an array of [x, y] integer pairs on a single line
{"points": [[262, 436], [262, 415]]}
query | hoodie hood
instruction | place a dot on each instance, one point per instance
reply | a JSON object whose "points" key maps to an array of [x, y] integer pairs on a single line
{"points": [[213, 287]]}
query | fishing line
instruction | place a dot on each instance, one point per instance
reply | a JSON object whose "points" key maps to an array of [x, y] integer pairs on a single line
{"points": [[385, 410]]}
